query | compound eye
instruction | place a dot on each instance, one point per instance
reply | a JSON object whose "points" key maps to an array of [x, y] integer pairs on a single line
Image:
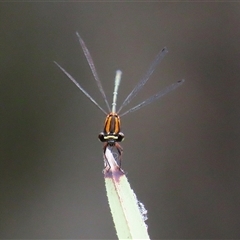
{"points": [[120, 137], [101, 137]]}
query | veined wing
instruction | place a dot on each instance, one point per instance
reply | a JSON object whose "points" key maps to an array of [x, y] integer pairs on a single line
{"points": [[145, 78], [155, 97], [92, 66], [80, 87]]}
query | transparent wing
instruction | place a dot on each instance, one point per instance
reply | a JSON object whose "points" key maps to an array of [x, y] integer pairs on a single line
{"points": [[145, 78], [78, 85], [91, 64], [155, 97]]}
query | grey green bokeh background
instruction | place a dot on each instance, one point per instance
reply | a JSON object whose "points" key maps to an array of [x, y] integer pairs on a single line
{"points": [[181, 153]]}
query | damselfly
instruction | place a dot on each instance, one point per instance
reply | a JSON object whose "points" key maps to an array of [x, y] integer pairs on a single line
{"points": [[111, 135]]}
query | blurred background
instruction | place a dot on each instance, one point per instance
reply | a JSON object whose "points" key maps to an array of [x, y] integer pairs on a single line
{"points": [[181, 152]]}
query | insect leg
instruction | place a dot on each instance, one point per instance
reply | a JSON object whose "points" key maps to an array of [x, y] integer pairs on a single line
{"points": [[106, 160], [120, 151]]}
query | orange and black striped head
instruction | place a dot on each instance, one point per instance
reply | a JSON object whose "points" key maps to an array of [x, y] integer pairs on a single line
{"points": [[112, 124], [111, 132]]}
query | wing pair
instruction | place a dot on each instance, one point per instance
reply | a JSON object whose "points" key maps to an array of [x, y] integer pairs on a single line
{"points": [[134, 92]]}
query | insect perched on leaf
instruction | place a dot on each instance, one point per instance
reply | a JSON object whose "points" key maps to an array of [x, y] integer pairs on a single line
{"points": [[112, 135]]}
